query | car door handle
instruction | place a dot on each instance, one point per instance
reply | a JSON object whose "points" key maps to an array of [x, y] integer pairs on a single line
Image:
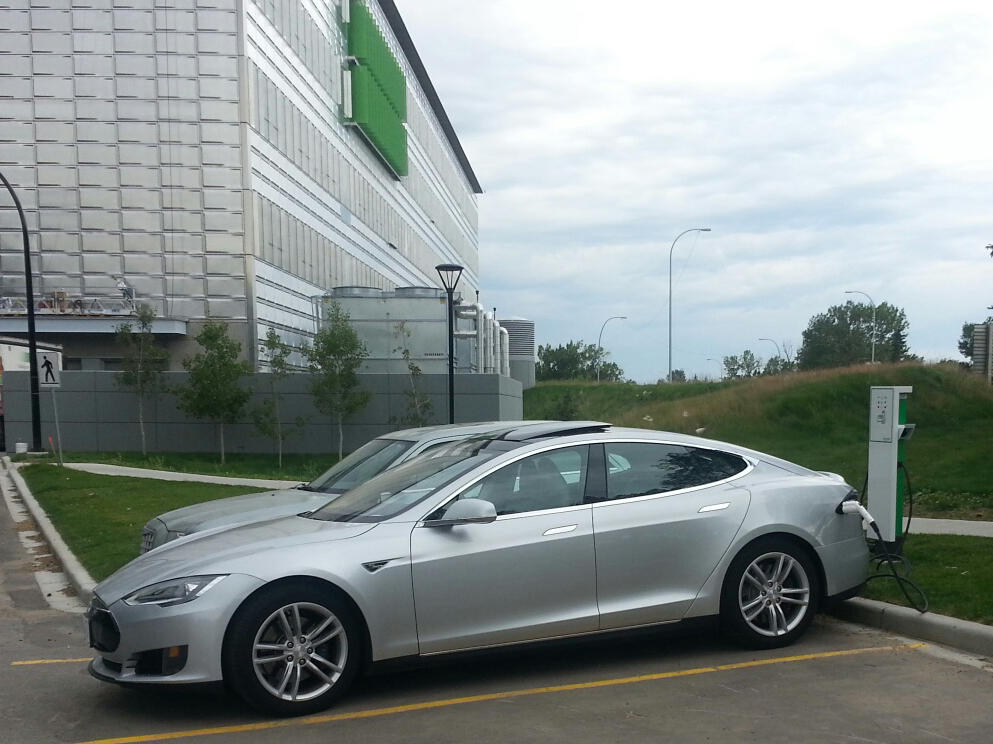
{"points": [[559, 530], [714, 507]]}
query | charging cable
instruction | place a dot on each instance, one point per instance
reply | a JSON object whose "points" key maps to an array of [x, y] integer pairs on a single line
{"points": [[854, 507]]}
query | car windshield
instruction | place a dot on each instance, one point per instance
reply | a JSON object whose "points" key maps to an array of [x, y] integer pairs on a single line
{"points": [[400, 488], [371, 459]]}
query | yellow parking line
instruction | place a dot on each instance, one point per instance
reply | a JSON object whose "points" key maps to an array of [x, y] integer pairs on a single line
{"points": [[376, 712], [49, 661]]}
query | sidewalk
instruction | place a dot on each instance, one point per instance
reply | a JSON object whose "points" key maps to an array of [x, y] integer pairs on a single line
{"points": [[922, 526], [102, 469]]}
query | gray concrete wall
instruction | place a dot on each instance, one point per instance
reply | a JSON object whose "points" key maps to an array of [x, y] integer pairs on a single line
{"points": [[97, 415]]}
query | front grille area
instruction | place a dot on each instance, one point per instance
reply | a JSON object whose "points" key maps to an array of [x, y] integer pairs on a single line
{"points": [[147, 538], [104, 633]]}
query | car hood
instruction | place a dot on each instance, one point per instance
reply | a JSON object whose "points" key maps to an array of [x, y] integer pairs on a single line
{"points": [[222, 551], [252, 507]]}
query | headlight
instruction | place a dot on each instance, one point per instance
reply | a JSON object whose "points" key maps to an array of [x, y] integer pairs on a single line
{"points": [[174, 591]]}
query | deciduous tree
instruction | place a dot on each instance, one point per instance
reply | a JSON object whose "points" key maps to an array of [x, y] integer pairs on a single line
{"points": [[212, 391], [843, 335], [335, 359], [143, 362], [266, 415], [575, 360]]}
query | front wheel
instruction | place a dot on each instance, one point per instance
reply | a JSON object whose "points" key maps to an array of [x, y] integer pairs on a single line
{"points": [[770, 594], [292, 650]]}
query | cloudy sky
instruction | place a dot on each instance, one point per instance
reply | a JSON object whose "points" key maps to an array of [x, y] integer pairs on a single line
{"points": [[848, 146]]}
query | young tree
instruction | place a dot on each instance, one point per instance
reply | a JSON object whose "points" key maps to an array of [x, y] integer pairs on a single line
{"points": [[843, 335], [143, 362], [213, 391], [266, 416], [334, 359], [418, 403]]}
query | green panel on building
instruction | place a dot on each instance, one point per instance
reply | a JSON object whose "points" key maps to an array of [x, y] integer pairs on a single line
{"points": [[379, 89]]}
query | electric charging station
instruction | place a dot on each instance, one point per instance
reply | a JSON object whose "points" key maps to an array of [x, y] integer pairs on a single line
{"points": [[888, 433]]}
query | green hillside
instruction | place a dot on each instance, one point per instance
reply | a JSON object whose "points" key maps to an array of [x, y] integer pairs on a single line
{"points": [[817, 419]]}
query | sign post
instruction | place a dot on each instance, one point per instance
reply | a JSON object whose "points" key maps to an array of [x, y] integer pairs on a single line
{"points": [[50, 376]]}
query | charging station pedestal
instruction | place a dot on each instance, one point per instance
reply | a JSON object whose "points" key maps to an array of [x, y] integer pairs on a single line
{"points": [[888, 431]]}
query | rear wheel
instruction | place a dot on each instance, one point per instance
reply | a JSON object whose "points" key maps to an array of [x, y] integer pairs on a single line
{"points": [[292, 650], [770, 593]]}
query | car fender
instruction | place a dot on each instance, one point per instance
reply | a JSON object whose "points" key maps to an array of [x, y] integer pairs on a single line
{"points": [[374, 573], [801, 507]]}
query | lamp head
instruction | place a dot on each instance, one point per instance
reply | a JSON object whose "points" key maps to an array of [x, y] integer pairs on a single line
{"points": [[450, 275]]}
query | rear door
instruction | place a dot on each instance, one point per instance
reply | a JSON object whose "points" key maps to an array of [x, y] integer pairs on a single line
{"points": [[667, 515]]}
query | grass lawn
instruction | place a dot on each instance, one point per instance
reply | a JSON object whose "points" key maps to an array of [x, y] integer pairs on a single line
{"points": [[955, 572], [239, 465], [100, 516]]}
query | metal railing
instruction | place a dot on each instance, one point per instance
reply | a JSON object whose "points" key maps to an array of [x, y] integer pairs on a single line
{"points": [[62, 303]]}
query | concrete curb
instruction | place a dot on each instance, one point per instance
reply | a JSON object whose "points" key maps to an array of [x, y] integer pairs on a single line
{"points": [[78, 576], [966, 635]]}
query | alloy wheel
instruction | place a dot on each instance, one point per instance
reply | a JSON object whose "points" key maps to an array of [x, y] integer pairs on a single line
{"points": [[300, 651], [774, 594]]}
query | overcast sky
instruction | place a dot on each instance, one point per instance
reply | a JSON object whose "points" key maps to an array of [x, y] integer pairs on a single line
{"points": [[847, 146]]}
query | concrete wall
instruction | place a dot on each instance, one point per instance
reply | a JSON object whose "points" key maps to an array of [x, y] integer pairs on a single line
{"points": [[96, 415]]}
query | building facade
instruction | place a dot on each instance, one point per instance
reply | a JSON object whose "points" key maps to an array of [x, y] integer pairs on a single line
{"points": [[222, 159]]}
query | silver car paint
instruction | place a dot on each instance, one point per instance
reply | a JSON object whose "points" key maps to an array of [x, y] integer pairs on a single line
{"points": [[200, 625], [780, 502], [540, 579], [255, 507]]}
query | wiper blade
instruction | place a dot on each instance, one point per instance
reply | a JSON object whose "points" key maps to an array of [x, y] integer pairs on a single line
{"points": [[305, 487]]}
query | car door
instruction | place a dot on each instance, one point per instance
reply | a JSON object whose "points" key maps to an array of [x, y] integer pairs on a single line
{"points": [[529, 574], [667, 515]]}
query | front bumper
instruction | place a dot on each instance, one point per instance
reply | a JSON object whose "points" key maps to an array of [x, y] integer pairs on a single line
{"points": [[196, 627]]}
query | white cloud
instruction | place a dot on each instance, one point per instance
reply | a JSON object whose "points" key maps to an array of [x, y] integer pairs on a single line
{"points": [[846, 146]]}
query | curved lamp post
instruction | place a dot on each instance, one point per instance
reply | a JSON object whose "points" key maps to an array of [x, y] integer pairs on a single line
{"points": [[778, 352], [450, 275], [692, 229], [855, 291], [600, 338], [32, 346]]}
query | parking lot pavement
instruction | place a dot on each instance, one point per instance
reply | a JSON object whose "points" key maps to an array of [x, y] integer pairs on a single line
{"points": [[841, 683]]}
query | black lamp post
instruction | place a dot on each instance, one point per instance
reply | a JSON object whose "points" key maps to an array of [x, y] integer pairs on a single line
{"points": [[32, 347], [450, 275]]}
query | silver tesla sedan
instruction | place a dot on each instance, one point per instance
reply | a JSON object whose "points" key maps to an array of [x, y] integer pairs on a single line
{"points": [[368, 460], [509, 538]]}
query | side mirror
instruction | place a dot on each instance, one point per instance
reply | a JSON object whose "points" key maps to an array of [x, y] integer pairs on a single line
{"points": [[466, 511]]}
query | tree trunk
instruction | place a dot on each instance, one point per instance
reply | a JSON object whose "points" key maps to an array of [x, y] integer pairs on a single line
{"points": [[220, 430], [141, 425], [341, 437], [279, 429]]}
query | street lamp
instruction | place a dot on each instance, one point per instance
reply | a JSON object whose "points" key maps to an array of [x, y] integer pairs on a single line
{"points": [[450, 275], [855, 291], [32, 347], [600, 338], [692, 229], [778, 352]]}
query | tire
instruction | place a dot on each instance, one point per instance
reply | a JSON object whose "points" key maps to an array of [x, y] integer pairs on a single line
{"points": [[270, 657], [770, 593]]}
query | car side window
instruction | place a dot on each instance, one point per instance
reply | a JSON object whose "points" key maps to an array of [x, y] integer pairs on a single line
{"points": [[658, 468], [547, 480]]}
